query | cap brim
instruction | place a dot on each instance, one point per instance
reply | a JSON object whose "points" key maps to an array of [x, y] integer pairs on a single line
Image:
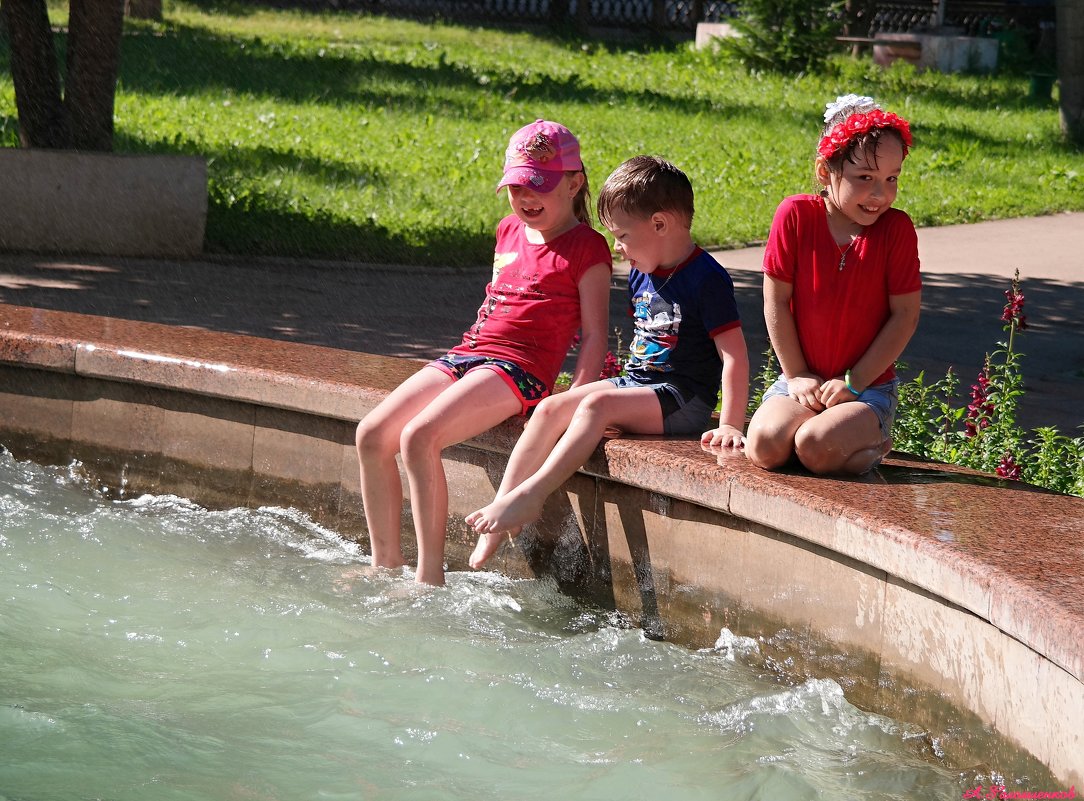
{"points": [[539, 180]]}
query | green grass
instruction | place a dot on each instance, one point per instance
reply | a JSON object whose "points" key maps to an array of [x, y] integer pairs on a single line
{"points": [[380, 140]]}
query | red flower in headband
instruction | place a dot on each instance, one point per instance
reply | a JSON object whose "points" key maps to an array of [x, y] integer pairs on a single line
{"points": [[857, 124]]}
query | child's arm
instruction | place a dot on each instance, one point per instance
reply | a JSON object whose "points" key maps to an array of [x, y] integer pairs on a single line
{"points": [[804, 386], [594, 324], [735, 356], [903, 312]]}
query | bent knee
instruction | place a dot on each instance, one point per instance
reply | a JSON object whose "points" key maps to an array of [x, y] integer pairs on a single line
{"points": [[768, 444], [549, 408], [605, 404], [375, 440], [767, 453], [818, 453], [418, 438]]}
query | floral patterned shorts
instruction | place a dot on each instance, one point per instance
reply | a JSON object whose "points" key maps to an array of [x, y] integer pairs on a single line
{"points": [[528, 389]]}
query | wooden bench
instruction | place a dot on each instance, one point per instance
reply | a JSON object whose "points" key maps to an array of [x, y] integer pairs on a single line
{"points": [[900, 48]]}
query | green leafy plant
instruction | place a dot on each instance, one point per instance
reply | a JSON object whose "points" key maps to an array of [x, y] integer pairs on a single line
{"points": [[984, 434], [763, 380], [613, 364], [784, 35], [926, 417]]}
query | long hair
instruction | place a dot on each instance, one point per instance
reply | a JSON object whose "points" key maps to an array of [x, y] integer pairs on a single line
{"points": [[581, 204]]}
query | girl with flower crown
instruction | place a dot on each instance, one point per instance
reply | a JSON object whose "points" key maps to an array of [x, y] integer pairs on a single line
{"points": [[551, 276], [842, 294]]}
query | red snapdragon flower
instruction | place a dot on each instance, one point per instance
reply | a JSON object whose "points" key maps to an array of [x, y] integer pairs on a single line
{"points": [[1013, 313], [981, 408], [611, 366], [1008, 468]]}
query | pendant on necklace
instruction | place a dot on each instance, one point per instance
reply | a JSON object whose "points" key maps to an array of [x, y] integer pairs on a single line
{"points": [[843, 256]]}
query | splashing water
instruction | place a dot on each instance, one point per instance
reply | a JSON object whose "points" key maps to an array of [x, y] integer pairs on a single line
{"points": [[156, 650]]}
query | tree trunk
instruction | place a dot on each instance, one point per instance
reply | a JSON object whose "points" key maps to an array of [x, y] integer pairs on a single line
{"points": [[34, 72], [1070, 47], [93, 60], [143, 9]]}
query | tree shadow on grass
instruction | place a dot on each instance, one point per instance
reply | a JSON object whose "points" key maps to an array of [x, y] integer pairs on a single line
{"points": [[636, 37], [190, 60], [265, 226]]}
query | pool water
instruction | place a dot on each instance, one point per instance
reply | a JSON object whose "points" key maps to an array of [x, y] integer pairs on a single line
{"points": [[152, 649]]}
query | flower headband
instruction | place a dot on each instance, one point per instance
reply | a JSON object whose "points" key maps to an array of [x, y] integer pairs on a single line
{"points": [[861, 123]]}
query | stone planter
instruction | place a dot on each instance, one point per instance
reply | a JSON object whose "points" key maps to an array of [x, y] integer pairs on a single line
{"points": [[938, 51], [60, 201], [708, 32]]}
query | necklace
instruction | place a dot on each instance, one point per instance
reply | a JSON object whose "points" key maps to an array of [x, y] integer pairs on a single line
{"points": [[843, 254], [659, 288]]}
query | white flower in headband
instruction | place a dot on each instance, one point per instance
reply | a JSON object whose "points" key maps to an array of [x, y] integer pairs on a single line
{"points": [[858, 104]]}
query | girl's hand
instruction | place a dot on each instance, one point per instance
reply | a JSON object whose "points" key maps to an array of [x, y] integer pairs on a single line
{"points": [[725, 436], [834, 392], [806, 389]]}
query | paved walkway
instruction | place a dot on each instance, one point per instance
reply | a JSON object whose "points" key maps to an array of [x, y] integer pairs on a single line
{"points": [[376, 308]]}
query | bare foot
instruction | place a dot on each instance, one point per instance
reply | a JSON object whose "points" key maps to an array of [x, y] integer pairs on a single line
{"points": [[345, 582], [486, 547], [508, 512], [865, 460]]}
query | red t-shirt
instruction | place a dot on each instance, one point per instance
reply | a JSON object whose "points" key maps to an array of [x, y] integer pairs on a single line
{"points": [[532, 306], [838, 313]]}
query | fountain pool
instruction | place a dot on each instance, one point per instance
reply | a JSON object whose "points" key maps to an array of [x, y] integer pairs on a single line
{"points": [[155, 649]]}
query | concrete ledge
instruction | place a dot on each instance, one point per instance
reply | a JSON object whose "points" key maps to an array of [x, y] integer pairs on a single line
{"points": [[923, 580], [101, 203]]}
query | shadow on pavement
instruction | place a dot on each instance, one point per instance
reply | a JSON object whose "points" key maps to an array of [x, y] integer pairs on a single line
{"points": [[420, 312]]}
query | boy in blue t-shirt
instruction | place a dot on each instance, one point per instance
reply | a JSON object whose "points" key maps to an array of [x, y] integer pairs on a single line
{"points": [[687, 332]]}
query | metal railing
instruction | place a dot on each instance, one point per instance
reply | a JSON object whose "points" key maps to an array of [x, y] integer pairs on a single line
{"points": [[869, 17], [669, 15]]}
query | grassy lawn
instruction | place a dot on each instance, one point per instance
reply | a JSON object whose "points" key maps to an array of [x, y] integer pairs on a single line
{"points": [[380, 140]]}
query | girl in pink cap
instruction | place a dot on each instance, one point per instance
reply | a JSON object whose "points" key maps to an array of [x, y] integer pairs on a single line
{"points": [[842, 293], [551, 277]]}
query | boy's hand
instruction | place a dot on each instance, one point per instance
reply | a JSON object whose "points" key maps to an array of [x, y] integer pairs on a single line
{"points": [[725, 436]]}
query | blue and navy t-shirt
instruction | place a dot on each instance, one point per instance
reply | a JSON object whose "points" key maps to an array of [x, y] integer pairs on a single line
{"points": [[677, 313]]}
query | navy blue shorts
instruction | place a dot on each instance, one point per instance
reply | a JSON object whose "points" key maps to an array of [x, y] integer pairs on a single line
{"points": [[683, 412]]}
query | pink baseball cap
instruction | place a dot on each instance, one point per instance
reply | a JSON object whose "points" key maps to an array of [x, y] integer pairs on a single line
{"points": [[538, 156]]}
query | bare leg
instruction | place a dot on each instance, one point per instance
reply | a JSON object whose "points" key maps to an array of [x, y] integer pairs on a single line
{"points": [[843, 439], [865, 459], [545, 427], [635, 411], [769, 441], [377, 443], [474, 404]]}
